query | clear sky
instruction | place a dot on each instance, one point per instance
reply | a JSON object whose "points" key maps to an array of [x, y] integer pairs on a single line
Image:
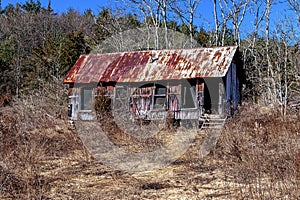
{"points": [[205, 19], [60, 6], [63, 5]]}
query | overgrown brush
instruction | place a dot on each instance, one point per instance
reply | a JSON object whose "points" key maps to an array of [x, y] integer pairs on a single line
{"points": [[29, 135], [259, 151], [5, 99]]}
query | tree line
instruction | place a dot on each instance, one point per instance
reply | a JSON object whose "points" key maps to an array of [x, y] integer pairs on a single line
{"points": [[38, 46]]}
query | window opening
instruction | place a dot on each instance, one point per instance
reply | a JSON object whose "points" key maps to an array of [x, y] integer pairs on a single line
{"points": [[86, 99]]}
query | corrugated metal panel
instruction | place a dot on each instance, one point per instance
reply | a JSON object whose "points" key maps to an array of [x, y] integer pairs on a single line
{"points": [[152, 65]]}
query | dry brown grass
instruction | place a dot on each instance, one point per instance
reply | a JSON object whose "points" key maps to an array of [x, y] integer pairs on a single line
{"points": [[256, 157], [30, 136], [260, 153]]}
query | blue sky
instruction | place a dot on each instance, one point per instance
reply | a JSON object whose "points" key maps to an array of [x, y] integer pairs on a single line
{"points": [[60, 6], [63, 5], [206, 20]]}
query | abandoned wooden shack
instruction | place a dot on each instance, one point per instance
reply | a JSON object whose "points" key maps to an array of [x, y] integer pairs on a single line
{"points": [[156, 84]]}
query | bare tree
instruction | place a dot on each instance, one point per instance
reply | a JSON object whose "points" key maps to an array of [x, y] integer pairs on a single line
{"points": [[258, 10], [186, 10], [225, 18], [234, 10], [288, 69], [271, 58], [217, 26], [258, 17], [150, 8], [270, 80], [295, 5], [164, 15]]}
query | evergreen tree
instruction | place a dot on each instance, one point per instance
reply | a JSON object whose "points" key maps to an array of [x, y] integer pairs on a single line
{"points": [[73, 47], [42, 65], [103, 25], [7, 55], [202, 37]]}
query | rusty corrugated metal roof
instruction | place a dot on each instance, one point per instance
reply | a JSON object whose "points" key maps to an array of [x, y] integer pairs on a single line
{"points": [[152, 65]]}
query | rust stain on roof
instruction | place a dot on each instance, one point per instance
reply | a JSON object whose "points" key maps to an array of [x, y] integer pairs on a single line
{"points": [[152, 65]]}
